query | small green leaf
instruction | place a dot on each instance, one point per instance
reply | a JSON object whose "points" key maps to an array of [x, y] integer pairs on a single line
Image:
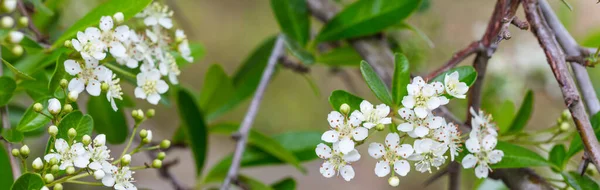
{"points": [[12, 135], [504, 115], [32, 120], [108, 121], [466, 74], [252, 183], [401, 78], [59, 74], [579, 182], [7, 88], [343, 56], [18, 74], [28, 181], [340, 97], [420, 33], [576, 144], [39, 5], [293, 18], [523, 115], [518, 157], [195, 126], [128, 7], [285, 184], [366, 17], [6, 177], [375, 83], [217, 89], [298, 51], [83, 124], [557, 156]]}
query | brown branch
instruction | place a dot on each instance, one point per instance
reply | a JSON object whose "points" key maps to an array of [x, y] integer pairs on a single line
{"points": [[523, 25], [521, 178], [23, 10], [581, 60], [295, 66], [556, 60], [458, 57]]}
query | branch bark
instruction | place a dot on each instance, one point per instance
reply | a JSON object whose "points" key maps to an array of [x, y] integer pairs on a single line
{"points": [[242, 133], [458, 57], [23, 10], [556, 60], [14, 163]]}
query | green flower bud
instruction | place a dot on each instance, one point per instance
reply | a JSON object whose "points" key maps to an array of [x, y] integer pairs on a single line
{"points": [[24, 151], [156, 163], [49, 178], [104, 87], [37, 107], [7, 22], [72, 133], [140, 115], [70, 170], [134, 114], [119, 17], [345, 109], [53, 161], [54, 169], [143, 133], [150, 113], [67, 108], [86, 140], [68, 43], [37, 164], [126, 159], [591, 170], [165, 144], [17, 50], [64, 83], [161, 155], [58, 186], [394, 181], [15, 152], [53, 130], [564, 126], [566, 114], [73, 96], [380, 127], [23, 21]]}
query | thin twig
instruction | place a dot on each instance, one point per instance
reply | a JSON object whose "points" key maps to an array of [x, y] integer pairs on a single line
{"points": [[14, 163], [242, 133], [556, 60], [458, 57], [30, 24], [295, 66]]}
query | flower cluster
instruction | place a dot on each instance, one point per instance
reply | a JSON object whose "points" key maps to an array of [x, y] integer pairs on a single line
{"points": [[481, 143], [7, 22], [420, 138], [148, 51]]}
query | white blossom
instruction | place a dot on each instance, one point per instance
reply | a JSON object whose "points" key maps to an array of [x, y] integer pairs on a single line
{"points": [[423, 97], [482, 143], [118, 178], [344, 131], [89, 45], [74, 155], [99, 153], [336, 162], [157, 15], [428, 153], [114, 89], [113, 39], [391, 155], [135, 50], [373, 116], [87, 76], [450, 136], [418, 127], [454, 87], [150, 86]]}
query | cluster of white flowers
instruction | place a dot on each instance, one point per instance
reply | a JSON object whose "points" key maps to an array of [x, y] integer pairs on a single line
{"points": [[431, 137], [151, 47], [481, 143]]}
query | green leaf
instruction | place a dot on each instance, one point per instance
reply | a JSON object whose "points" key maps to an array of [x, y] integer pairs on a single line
{"points": [[217, 89], [366, 17], [7, 88], [518, 157], [6, 177], [32, 120], [108, 121], [35, 62], [28, 181], [59, 74], [83, 124], [557, 156], [252, 183], [340, 97], [343, 56], [504, 115], [523, 115], [375, 83], [420, 33], [293, 18], [39, 5], [197, 52], [576, 144], [401, 78], [298, 51], [261, 141], [17, 72], [466, 74], [195, 126], [285, 184], [128, 7], [579, 182], [12, 135]]}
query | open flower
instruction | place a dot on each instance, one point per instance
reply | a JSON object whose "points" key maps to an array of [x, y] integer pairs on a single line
{"points": [[418, 127], [113, 39], [449, 135], [74, 155], [482, 143], [336, 162], [157, 14], [89, 44], [118, 178], [99, 153], [392, 153], [428, 153], [373, 116], [87, 76], [423, 97], [114, 89], [454, 87], [150, 86], [343, 130]]}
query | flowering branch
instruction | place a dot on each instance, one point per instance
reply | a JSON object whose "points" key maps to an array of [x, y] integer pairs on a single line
{"points": [[458, 57], [242, 135], [30, 25], [14, 163], [556, 59]]}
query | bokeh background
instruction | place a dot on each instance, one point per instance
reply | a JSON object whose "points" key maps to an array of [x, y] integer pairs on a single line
{"points": [[231, 29]]}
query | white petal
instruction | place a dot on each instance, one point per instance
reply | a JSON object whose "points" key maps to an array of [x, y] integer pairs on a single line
{"points": [[49, 156], [108, 180], [469, 161], [382, 168], [153, 98], [346, 145], [61, 145], [405, 150], [402, 167], [76, 85], [408, 101], [473, 145], [443, 100], [72, 67], [352, 156], [323, 151], [406, 113], [95, 166], [406, 127], [347, 172], [356, 118], [165, 22], [421, 131], [76, 44], [92, 33], [489, 142], [327, 170], [106, 23], [433, 103], [122, 33], [421, 112], [382, 110], [435, 122], [423, 145], [481, 171], [418, 80], [161, 86], [366, 107], [335, 119], [376, 150], [82, 161], [93, 87], [139, 93], [392, 140], [360, 133], [117, 50], [330, 136], [149, 21], [369, 125], [495, 156]]}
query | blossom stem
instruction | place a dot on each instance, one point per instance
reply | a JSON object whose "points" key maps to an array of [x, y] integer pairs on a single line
{"points": [[84, 182], [68, 178], [135, 127], [117, 69], [138, 168]]}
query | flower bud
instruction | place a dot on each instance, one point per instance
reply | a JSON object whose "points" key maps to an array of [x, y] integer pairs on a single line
{"points": [[140, 115], [72, 133], [150, 113], [143, 133], [67, 108], [37, 164], [53, 130], [17, 50], [165, 144], [54, 106], [44, 188], [156, 163], [134, 114], [7, 22], [68, 43], [70, 170], [566, 114], [591, 170], [37, 107], [119, 17], [24, 151], [86, 140], [23, 21], [148, 138], [15, 37], [15, 152], [564, 126], [104, 87], [58, 186], [161, 155], [100, 140], [53, 161], [73, 96], [380, 127], [64, 83], [49, 178], [126, 159], [54, 168], [394, 181], [98, 174], [345, 108], [9, 5]]}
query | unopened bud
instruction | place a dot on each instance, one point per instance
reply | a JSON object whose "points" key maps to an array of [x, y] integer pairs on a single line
{"points": [[53, 161], [72, 133], [140, 114], [70, 170], [345, 109], [99, 174], [15, 37], [161, 155], [156, 163], [37, 164], [7, 22], [49, 178], [394, 181], [143, 133], [17, 50], [24, 151], [100, 140], [15, 152], [23, 21], [566, 114], [126, 159], [44, 188], [73, 96], [54, 168], [165, 144], [134, 114], [37, 107], [68, 108], [68, 43], [380, 127], [64, 83], [58, 186], [591, 170], [564, 126], [9, 5], [119, 17], [150, 113], [53, 130], [54, 106], [86, 140], [148, 137], [104, 87]]}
